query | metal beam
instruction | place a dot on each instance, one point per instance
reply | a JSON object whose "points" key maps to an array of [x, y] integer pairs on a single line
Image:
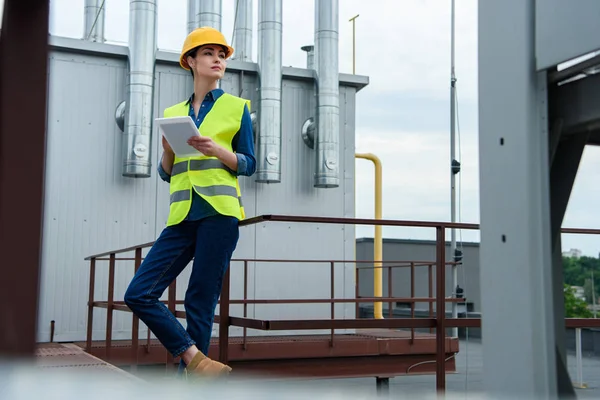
{"points": [[23, 87], [556, 76], [562, 177], [515, 213], [577, 105]]}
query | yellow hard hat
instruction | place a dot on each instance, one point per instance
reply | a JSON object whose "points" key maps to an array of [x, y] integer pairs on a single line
{"points": [[200, 37]]}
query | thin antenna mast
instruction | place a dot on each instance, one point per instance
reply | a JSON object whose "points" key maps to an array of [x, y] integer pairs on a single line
{"points": [[454, 169]]}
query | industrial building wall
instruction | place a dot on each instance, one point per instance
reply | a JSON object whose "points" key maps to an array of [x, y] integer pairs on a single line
{"points": [[90, 208], [419, 250]]}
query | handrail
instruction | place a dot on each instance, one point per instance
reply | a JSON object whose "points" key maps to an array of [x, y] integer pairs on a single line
{"points": [[348, 221], [402, 264], [125, 250], [320, 220], [357, 221]]}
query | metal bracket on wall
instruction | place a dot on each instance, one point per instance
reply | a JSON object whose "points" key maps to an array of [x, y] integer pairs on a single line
{"points": [[308, 132], [120, 115]]}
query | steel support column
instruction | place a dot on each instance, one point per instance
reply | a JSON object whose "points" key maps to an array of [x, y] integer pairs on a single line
{"points": [[562, 177], [23, 87], [517, 330]]}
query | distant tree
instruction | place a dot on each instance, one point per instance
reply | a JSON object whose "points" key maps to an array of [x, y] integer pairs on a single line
{"points": [[587, 291], [575, 307], [577, 271], [573, 271]]}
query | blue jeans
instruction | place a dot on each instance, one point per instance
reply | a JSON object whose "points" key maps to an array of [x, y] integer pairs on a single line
{"points": [[210, 242]]}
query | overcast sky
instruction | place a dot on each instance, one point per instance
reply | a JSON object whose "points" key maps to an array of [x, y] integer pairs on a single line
{"points": [[402, 116]]}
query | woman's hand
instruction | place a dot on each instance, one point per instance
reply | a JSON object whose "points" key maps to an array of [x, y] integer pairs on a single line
{"points": [[166, 146], [168, 156], [208, 147], [205, 145]]}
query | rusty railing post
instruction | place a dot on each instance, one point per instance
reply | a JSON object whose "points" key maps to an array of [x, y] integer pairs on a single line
{"points": [[90, 320], [110, 304], [390, 290], [135, 321], [171, 299], [332, 275], [357, 289], [440, 328], [430, 272], [224, 318], [245, 301], [412, 303], [148, 338]]}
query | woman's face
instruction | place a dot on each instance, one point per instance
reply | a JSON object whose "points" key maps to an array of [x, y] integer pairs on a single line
{"points": [[209, 62]]}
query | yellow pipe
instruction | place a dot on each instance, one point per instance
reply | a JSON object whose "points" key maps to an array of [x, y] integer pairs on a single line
{"points": [[378, 240]]}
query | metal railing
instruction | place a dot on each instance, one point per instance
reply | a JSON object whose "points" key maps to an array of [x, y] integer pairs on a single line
{"points": [[439, 322]]}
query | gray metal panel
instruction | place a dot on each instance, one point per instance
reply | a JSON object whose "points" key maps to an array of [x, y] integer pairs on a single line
{"points": [[514, 198], [347, 152], [565, 30], [296, 195], [89, 206]]}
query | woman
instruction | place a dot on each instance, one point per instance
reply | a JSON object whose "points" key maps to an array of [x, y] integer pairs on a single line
{"points": [[204, 211]]}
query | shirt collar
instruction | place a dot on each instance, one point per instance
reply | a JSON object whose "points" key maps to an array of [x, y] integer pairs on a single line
{"points": [[212, 95]]}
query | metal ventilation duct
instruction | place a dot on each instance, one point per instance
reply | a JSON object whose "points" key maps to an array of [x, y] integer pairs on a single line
{"points": [[209, 13], [268, 169], [242, 35], [192, 15], [308, 128], [326, 66], [94, 21], [140, 88], [310, 56]]}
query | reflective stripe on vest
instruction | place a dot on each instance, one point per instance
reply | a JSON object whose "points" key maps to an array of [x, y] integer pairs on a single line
{"points": [[208, 176], [197, 165], [184, 195]]}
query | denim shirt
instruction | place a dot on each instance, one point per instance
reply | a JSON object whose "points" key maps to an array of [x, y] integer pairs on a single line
{"points": [[242, 144]]}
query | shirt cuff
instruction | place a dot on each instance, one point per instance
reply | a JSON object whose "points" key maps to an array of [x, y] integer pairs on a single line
{"points": [[163, 174], [242, 164]]}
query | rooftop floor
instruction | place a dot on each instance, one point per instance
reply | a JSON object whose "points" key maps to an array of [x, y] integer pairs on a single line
{"points": [[67, 357], [84, 379], [468, 380]]}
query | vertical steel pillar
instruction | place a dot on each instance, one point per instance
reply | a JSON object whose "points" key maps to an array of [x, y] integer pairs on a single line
{"points": [[564, 167], [23, 71], [516, 278]]}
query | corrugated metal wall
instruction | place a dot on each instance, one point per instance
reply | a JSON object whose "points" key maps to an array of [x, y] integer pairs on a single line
{"points": [[90, 208]]}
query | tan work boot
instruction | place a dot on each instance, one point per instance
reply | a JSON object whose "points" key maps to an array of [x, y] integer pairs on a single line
{"points": [[202, 365]]}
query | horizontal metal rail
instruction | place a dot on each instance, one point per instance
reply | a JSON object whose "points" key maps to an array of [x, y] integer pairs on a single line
{"points": [[103, 304], [347, 221]]}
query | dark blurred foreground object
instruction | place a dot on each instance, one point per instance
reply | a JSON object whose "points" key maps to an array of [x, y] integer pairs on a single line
{"points": [[23, 87]]}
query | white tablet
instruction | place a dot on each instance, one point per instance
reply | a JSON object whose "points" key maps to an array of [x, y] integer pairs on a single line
{"points": [[177, 131]]}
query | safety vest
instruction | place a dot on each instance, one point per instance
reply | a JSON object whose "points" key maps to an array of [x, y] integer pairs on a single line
{"points": [[208, 176]]}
